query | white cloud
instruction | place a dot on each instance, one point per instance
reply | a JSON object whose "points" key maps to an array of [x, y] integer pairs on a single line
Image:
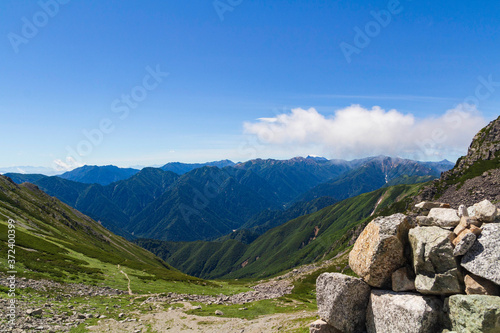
{"points": [[359, 132]]}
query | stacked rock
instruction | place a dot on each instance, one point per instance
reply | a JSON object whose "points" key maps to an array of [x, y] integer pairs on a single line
{"points": [[440, 271]]}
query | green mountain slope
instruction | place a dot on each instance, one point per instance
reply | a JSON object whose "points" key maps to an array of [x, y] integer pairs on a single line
{"points": [[57, 242], [204, 203], [303, 240], [20, 178], [134, 194], [113, 205], [269, 219], [65, 190]]}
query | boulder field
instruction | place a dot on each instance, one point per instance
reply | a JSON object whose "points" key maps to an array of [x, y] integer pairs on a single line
{"points": [[437, 272]]}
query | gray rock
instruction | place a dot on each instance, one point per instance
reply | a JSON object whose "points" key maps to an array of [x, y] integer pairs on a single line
{"points": [[443, 217], [379, 250], [464, 244], [485, 211], [34, 312], [402, 312], [342, 301], [219, 313], [475, 313], [321, 326], [483, 258], [446, 283], [426, 205], [402, 280], [435, 266]]}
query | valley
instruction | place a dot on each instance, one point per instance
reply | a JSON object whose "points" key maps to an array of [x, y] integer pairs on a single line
{"points": [[74, 275]]}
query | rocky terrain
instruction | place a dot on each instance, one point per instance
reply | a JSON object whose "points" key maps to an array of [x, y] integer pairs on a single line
{"points": [[484, 147], [474, 190], [475, 176], [41, 313], [48, 306], [437, 272], [267, 290]]}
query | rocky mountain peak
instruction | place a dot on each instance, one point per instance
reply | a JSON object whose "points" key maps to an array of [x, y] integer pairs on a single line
{"points": [[475, 176], [484, 147]]}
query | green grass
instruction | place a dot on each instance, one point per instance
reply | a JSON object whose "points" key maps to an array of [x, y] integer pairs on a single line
{"points": [[304, 323], [55, 242], [305, 288], [254, 309], [79, 329]]}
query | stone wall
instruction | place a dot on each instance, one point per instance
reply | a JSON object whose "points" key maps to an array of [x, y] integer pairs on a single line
{"points": [[437, 272]]}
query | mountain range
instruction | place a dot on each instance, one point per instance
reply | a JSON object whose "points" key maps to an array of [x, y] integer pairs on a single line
{"points": [[329, 231], [241, 225], [209, 202], [303, 240]]}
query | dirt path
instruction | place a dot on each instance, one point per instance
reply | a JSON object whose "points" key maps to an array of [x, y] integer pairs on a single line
{"points": [[128, 286], [178, 321]]}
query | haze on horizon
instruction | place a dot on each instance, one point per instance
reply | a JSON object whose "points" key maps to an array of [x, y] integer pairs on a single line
{"points": [[130, 83]]}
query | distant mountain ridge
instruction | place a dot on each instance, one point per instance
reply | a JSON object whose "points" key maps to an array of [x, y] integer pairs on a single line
{"points": [[20, 178], [373, 173], [103, 175], [182, 168]]}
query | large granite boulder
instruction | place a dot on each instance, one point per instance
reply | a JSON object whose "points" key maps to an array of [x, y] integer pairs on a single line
{"points": [[483, 258], [342, 301], [442, 217], [402, 312], [379, 250], [435, 266], [474, 313]]}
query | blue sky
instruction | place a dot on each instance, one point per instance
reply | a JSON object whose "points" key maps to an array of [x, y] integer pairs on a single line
{"points": [[236, 70]]}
